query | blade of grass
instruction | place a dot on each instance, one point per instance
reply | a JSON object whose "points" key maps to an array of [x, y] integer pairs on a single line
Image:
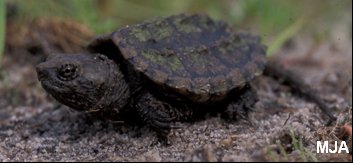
{"points": [[283, 151], [288, 33], [305, 154], [2, 27], [296, 144], [272, 156], [311, 156]]}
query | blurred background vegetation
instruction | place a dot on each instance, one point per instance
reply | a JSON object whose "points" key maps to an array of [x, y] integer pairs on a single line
{"points": [[275, 20]]}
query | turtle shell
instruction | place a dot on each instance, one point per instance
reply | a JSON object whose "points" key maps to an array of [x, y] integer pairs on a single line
{"points": [[192, 55]]}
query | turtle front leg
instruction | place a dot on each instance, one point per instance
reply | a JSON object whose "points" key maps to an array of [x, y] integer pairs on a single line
{"points": [[159, 115], [240, 106]]}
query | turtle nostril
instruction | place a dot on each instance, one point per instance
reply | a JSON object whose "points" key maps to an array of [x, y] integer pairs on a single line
{"points": [[42, 72]]}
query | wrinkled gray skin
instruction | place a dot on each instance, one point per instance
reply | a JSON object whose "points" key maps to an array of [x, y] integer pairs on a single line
{"points": [[83, 82], [94, 83]]}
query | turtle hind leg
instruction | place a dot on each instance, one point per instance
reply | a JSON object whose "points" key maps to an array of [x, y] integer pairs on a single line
{"points": [[239, 108]]}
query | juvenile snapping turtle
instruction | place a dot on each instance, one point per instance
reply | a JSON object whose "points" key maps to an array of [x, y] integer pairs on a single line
{"points": [[162, 71]]}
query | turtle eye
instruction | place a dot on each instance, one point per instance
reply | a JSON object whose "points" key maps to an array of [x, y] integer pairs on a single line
{"points": [[101, 57], [68, 72]]}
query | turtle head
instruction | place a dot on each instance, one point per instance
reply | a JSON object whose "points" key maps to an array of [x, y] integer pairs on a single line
{"points": [[79, 81]]}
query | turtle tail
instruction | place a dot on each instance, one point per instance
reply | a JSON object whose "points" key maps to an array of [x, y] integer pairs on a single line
{"points": [[277, 71]]}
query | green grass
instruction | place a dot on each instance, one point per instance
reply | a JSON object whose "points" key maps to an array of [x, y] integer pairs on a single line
{"points": [[2, 27], [297, 143], [305, 154], [285, 35], [276, 21]]}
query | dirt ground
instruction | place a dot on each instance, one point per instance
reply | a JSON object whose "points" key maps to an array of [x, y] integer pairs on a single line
{"points": [[33, 127]]}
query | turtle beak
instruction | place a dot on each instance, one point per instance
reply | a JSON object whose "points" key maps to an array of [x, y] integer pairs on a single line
{"points": [[42, 71]]}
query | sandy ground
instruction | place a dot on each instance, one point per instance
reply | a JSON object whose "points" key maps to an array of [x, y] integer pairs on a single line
{"points": [[34, 128]]}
